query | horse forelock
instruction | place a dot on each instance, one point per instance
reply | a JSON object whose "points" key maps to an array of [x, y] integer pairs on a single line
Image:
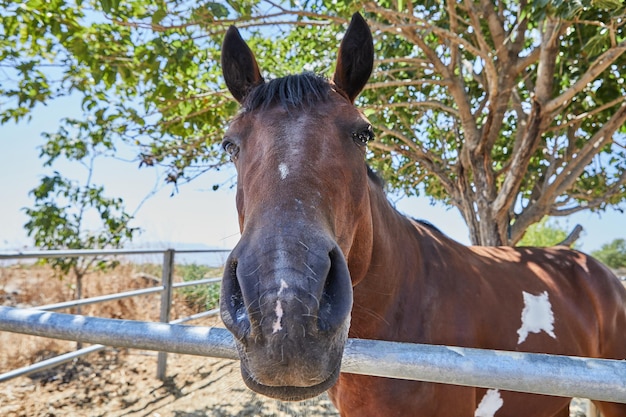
{"points": [[291, 91]]}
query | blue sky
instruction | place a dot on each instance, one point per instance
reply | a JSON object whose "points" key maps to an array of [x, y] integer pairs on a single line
{"points": [[196, 215]]}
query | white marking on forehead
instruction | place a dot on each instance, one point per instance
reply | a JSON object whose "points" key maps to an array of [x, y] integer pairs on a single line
{"points": [[537, 316], [283, 286], [491, 402], [277, 325], [284, 170]]}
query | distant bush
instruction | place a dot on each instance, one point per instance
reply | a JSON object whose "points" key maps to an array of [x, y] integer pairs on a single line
{"points": [[544, 233], [201, 297], [155, 270], [612, 254]]}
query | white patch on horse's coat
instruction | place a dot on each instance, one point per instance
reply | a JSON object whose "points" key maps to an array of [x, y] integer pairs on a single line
{"points": [[537, 316], [283, 286], [277, 325], [284, 170], [491, 402]]}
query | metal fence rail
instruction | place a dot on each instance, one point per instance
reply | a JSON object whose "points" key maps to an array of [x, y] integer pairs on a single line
{"points": [[165, 289], [50, 363], [599, 379], [101, 298], [97, 252]]}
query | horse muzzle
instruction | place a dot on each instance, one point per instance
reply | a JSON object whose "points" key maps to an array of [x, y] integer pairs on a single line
{"points": [[288, 305]]}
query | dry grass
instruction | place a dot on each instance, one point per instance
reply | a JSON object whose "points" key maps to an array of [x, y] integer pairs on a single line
{"points": [[121, 382], [32, 285]]}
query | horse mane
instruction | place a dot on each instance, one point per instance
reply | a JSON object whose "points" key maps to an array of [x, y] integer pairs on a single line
{"points": [[291, 91], [375, 178], [428, 225], [380, 182]]}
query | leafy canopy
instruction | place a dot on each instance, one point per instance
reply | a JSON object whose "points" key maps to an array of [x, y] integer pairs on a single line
{"points": [[613, 254], [544, 233], [508, 111], [67, 215]]}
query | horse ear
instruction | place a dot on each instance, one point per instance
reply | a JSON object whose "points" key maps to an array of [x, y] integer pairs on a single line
{"points": [[240, 69], [355, 59]]}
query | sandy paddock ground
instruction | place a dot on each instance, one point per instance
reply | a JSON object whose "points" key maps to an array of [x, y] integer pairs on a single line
{"points": [[121, 382]]}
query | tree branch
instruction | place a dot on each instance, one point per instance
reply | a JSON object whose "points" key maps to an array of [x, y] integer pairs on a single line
{"points": [[491, 79], [572, 237], [526, 144], [592, 203], [528, 60], [598, 66], [455, 85], [411, 104], [575, 167], [454, 27], [547, 60], [402, 83], [429, 161], [496, 29], [578, 118], [416, 23]]}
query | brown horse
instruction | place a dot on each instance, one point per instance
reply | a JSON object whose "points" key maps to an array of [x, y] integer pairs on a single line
{"points": [[323, 256]]}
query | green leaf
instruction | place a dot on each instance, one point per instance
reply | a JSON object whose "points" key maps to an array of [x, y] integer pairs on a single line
{"points": [[106, 5], [161, 92], [158, 16], [218, 10]]}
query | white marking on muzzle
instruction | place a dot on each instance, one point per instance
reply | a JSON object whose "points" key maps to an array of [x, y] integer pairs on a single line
{"points": [[277, 325], [283, 286]]}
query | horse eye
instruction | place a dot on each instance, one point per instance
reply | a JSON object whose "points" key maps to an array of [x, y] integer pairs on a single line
{"points": [[231, 149], [364, 135]]}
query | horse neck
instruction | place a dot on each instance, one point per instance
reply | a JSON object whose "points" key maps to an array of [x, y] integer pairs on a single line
{"points": [[395, 267]]}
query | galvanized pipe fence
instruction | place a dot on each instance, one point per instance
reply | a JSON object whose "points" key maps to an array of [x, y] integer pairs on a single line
{"points": [[567, 376], [165, 289], [600, 379]]}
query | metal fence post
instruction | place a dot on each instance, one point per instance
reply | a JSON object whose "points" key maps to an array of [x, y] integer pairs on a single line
{"points": [[166, 304]]}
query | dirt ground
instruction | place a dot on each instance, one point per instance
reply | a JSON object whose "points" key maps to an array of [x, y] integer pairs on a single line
{"points": [[121, 382]]}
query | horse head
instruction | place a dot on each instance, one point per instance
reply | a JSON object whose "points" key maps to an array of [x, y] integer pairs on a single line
{"points": [[298, 144]]}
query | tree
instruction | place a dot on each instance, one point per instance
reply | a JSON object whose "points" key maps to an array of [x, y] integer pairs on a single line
{"points": [[543, 234], [613, 254], [67, 215], [513, 121], [508, 111]]}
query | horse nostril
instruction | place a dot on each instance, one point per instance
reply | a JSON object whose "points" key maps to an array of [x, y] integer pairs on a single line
{"points": [[336, 299], [232, 306]]}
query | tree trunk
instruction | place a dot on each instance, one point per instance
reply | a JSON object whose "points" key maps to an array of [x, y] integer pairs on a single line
{"points": [[488, 232]]}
